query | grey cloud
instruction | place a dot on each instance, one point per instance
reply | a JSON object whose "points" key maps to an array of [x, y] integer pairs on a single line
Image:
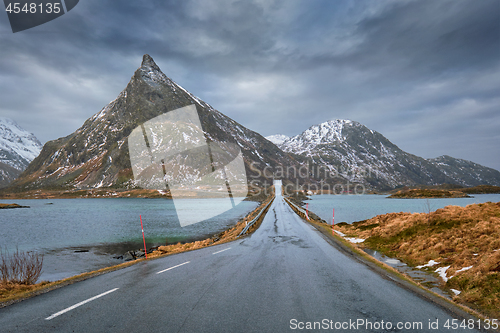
{"points": [[431, 37], [399, 67]]}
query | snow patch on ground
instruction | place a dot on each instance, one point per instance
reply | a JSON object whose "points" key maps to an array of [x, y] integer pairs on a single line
{"points": [[463, 269], [456, 292], [354, 240], [350, 239], [393, 261], [429, 264], [442, 272], [340, 233]]}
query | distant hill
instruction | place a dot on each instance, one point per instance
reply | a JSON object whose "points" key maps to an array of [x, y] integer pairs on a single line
{"points": [[18, 148], [365, 156]]}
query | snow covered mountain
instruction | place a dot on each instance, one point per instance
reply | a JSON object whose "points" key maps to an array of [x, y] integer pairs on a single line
{"points": [[356, 153], [18, 148], [97, 154], [277, 139]]}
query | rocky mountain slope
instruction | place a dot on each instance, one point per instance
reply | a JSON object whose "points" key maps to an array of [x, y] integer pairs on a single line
{"points": [[18, 148], [465, 172], [97, 154], [365, 156]]}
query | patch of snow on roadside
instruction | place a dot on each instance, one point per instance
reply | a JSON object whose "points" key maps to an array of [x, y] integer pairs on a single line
{"points": [[442, 272], [463, 269], [354, 240], [429, 264], [456, 292], [340, 233], [393, 261]]}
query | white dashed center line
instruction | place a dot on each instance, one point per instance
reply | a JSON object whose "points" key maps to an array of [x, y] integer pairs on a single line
{"points": [[79, 304], [187, 262], [221, 251]]}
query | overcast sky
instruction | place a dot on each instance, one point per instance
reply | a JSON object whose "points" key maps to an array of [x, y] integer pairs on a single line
{"points": [[425, 74]]}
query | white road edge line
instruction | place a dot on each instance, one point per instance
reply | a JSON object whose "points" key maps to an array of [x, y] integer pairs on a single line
{"points": [[187, 262], [221, 250], [80, 304]]}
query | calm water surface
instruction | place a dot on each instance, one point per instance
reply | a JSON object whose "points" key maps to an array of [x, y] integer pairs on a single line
{"points": [[62, 228], [352, 208]]}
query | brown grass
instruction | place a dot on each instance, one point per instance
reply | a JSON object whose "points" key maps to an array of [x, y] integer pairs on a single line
{"points": [[2, 205], [7, 206], [454, 236]]}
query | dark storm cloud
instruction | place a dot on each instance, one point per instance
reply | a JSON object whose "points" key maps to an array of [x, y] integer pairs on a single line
{"points": [[422, 73], [429, 37]]}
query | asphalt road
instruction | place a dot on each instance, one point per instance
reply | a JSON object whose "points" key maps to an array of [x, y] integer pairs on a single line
{"points": [[279, 279]]}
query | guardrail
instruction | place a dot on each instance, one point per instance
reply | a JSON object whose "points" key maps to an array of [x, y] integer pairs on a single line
{"points": [[249, 224], [299, 209]]}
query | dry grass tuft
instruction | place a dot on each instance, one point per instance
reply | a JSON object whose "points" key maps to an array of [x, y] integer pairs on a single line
{"points": [[20, 267]]}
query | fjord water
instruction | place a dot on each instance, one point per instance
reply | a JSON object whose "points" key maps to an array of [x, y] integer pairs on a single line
{"points": [[79, 235], [65, 229], [353, 208]]}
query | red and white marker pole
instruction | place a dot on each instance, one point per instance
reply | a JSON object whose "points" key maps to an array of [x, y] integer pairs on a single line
{"points": [[143, 239], [333, 221], [307, 210]]}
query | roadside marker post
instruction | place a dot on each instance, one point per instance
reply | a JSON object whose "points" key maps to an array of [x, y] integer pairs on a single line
{"points": [[143, 239], [333, 221], [307, 211]]}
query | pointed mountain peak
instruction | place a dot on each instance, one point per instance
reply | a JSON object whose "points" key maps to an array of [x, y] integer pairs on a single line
{"points": [[151, 73], [147, 61]]}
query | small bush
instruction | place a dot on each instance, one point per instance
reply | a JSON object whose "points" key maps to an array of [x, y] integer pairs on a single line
{"points": [[20, 267]]}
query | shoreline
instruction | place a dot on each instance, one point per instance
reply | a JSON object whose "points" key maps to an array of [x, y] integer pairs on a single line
{"points": [[113, 193], [14, 293]]}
